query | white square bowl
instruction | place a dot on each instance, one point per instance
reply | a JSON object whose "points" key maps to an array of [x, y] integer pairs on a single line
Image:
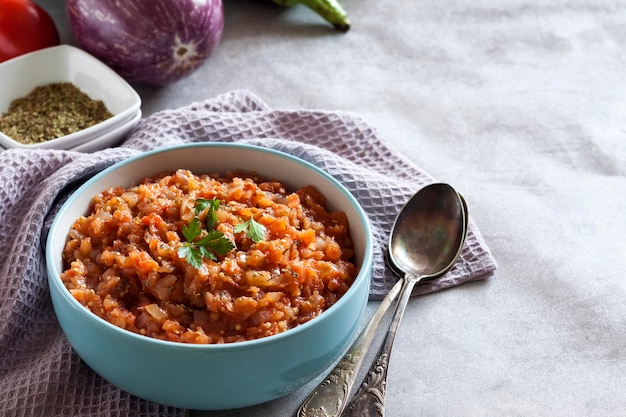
{"points": [[65, 63], [111, 137]]}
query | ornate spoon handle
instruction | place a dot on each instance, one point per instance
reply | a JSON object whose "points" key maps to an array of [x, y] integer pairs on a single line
{"points": [[330, 396], [369, 400]]}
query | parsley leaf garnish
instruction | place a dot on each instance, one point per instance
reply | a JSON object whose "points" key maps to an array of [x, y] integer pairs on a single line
{"points": [[192, 230], [215, 242], [209, 246], [254, 230], [192, 255], [213, 205]]}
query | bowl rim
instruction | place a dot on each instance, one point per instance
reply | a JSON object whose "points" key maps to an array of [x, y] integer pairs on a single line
{"points": [[84, 135], [363, 273]]}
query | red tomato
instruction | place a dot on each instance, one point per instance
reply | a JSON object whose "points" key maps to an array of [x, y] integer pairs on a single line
{"points": [[24, 27]]}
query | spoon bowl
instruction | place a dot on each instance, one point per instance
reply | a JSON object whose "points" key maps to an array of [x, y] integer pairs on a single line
{"points": [[428, 233], [396, 269]]}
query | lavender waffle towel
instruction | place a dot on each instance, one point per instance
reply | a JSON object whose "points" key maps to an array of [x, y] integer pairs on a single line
{"points": [[40, 375]]}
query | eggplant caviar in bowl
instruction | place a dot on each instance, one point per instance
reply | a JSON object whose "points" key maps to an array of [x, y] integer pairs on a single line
{"points": [[210, 276]]}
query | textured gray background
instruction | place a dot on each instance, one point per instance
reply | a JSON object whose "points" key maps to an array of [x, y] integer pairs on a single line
{"points": [[520, 105]]}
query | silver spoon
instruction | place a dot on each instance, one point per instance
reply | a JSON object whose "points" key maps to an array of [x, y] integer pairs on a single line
{"points": [[329, 398], [426, 240]]}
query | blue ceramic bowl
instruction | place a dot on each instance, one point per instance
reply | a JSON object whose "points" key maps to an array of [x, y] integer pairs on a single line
{"points": [[212, 377]]}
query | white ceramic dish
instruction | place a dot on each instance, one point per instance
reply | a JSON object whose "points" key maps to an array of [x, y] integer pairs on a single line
{"points": [[110, 138], [65, 63]]}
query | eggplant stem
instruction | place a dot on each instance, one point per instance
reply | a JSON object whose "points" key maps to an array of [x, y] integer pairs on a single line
{"points": [[330, 10]]}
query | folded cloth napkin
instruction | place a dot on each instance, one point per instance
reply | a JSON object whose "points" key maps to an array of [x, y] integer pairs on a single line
{"points": [[39, 372]]}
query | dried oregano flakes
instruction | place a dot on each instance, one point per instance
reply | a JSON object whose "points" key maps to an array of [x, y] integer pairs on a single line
{"points": [[51, 111]]}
